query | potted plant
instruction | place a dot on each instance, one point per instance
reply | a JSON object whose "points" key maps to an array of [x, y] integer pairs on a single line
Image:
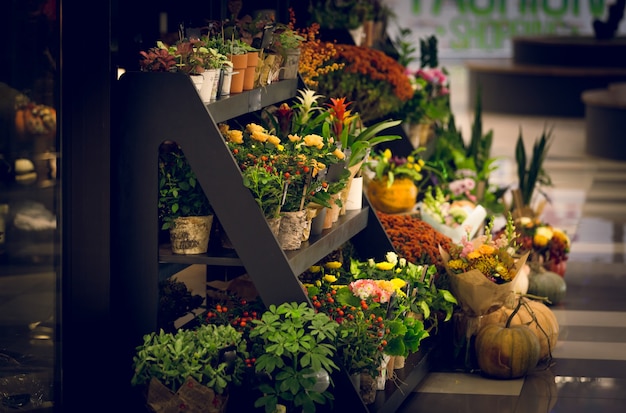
{"points": [[286, 42], [191, 367], [184, 209], [394, 187], [186, 56], [295, 357]]}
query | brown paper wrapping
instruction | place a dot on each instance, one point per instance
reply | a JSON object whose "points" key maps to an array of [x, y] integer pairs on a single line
{"points": [[476, 294]]}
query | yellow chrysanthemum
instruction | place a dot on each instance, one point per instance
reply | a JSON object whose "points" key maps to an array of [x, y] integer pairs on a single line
{"points": [[474, 255], [330, 278], [333, 265], [457, 265], [294, 138], [485, 249]]}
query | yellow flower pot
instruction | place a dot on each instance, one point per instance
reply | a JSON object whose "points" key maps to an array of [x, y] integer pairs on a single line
{"points": [[400, 196]]}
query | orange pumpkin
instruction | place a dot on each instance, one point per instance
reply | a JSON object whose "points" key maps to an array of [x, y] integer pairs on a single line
{"points": [[35, 120], [400, 196], [537, 316], [506, 351]]}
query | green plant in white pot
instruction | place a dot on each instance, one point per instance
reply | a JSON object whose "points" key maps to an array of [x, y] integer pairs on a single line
{"points": [[212, 356], [296, 357], [182, 202]]}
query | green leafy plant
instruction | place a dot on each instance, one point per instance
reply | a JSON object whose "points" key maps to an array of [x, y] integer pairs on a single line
{"points": [[457, 163], [200, 353], [180, 193], [530, 172], [296, 343], [340, 14], [267, 186], [175, 301]]}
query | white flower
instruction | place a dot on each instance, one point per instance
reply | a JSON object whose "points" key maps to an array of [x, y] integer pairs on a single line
{"points": [[392, 257]]}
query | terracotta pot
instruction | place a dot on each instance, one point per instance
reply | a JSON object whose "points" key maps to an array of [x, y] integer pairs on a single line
{"points": [[253, 59], [248, 78], [236, 81], [240, 61]]}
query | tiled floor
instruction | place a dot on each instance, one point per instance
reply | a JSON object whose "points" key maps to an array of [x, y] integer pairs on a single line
{"points": [[589, 371]]}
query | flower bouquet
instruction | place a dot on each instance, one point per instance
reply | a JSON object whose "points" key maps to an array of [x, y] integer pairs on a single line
{"points": [[549, 246], [481, 273], [453, 219]]}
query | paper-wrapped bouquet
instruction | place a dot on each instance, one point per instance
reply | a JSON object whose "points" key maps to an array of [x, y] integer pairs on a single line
{"points": [[452, 219]]}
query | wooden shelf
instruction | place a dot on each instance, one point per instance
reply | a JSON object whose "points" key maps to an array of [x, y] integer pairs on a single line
{"points": [[155, 107]]}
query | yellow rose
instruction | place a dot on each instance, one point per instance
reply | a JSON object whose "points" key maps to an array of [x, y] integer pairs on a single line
{"points": [[485, 249], [330, 278], [314, 140], [339, 154], [223, 128], [259, 136], [253, 127], [315, 268], [235, 136], [274, 140]]}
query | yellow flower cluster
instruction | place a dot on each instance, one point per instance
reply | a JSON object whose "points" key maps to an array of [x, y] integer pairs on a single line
{"points": [[314, 55], [488, 260]]}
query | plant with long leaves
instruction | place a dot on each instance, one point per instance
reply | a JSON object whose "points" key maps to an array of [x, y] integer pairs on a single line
{"points": [[530, 172]]}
